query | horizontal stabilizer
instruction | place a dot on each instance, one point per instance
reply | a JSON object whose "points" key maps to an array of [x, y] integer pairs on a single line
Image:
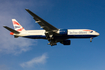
{"points": [[12, 30]]}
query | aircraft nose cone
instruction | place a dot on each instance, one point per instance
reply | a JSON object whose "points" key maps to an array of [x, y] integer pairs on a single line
{"points": [[98, 34]]}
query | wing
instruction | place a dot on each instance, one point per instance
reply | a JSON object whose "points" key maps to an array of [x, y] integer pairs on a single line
{"points": [[45, 25], [51, 31]]}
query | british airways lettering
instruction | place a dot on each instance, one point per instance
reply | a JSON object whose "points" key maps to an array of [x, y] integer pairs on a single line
{"points": [[78, 32]]}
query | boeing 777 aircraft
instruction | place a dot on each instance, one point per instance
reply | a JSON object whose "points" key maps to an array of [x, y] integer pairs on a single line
{"points": [[50, 33]]}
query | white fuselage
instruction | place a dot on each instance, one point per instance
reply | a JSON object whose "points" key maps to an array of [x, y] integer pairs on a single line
{"points": [[71, 33]]}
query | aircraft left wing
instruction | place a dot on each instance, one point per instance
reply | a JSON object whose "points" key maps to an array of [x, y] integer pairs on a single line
{"points": [[45, 25], [51, 31]]}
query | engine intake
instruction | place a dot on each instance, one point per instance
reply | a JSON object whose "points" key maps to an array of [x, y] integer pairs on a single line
{"points": [[66, 42], [63, 31]]}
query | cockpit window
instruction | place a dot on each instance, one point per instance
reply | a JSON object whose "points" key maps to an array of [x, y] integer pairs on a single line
{"points": [[91, 31]]}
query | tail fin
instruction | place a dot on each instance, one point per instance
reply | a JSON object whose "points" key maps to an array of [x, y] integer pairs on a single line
{"points": [[17, 26]]}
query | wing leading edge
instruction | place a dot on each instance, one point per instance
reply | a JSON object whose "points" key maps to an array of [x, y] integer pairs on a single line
{"points": [[45, 25]]}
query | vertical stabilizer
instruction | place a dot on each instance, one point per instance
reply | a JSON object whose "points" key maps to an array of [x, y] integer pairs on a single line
{"points": [[17, 26]]}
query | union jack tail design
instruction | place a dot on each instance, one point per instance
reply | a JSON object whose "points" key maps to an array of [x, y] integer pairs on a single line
{"points": [[17, 26]]}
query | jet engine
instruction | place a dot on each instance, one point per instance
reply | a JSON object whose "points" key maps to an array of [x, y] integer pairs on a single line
{"points": [[66, 42], [63, 31]]}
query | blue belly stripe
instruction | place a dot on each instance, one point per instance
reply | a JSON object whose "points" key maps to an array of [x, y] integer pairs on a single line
{"points": [[60, 37], [36, 37]]}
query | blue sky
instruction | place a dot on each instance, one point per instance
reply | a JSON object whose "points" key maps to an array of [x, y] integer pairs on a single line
{"points": [[30, 54]]}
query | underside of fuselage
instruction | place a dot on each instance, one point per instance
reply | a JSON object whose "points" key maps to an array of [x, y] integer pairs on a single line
{"points": [[60, 37]]}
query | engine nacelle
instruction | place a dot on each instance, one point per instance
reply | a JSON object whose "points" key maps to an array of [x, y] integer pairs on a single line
{"points": [[66, 42], [63, 31]]}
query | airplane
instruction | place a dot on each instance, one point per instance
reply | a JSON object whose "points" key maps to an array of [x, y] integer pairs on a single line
{"points": [[50, 33]]}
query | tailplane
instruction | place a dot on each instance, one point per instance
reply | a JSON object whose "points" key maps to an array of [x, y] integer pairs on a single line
{"points": [[11, 30], [17, 26]]}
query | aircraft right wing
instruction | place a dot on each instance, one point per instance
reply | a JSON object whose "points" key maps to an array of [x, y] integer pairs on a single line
{"points": [[45, 25]]}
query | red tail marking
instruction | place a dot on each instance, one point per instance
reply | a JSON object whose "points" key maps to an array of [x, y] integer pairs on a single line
{"points": [[20, 29], [14, 22]]}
